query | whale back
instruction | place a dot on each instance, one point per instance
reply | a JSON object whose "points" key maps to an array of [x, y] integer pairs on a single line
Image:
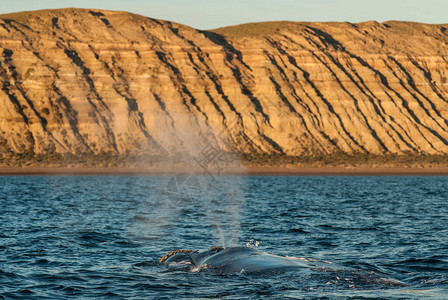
{"points": [[244, 259]]}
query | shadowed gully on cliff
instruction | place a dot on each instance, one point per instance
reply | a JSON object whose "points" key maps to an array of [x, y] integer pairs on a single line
{"points": [[89, 81]]}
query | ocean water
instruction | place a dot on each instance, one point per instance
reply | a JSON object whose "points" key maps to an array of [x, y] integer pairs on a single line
{"points": [[65, 237]]}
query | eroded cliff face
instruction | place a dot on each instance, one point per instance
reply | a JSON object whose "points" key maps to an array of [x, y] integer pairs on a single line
{"points": [[89, 81]]}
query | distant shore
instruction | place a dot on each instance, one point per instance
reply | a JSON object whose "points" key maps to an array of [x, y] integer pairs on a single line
{"points": [[266, 171]]}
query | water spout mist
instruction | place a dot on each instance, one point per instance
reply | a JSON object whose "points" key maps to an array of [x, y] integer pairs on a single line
{"points": [[198, 189]]}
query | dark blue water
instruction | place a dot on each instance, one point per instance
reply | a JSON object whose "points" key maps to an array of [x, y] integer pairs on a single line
{"points": [[80, 237]]}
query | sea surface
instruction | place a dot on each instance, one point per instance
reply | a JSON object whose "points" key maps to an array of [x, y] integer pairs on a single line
{"points": [[64, 237]]}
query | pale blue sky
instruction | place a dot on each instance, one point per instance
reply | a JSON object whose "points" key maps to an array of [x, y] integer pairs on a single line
{"points": [[208, 14]]}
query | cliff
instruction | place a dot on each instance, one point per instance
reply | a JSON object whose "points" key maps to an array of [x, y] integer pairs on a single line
{"points": [[90, 82]]}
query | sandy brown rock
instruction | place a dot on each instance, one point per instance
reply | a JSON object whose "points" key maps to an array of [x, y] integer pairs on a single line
{"points": [[89, 81]]}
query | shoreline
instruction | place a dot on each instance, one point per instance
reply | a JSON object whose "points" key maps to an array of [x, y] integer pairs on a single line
{"points": [[242, 171]]}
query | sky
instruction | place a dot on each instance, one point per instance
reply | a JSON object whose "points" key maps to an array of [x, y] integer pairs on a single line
{"points": [[210, 14]]}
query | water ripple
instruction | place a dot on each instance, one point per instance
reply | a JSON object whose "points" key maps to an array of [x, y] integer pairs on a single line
{"points": [[101, 237]]}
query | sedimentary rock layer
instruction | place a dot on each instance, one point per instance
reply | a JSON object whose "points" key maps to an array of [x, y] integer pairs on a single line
{"points": [[89, 81]]}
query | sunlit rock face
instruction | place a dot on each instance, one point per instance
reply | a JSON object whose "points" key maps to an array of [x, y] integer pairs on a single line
{"points": [[84, 81]]}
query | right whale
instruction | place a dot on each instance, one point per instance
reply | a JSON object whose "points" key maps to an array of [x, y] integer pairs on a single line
{"points": [[254, 261]]}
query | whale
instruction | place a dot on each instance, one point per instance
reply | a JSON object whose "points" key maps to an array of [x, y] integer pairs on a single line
{"points": [[239, 260], [250, 260]]}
